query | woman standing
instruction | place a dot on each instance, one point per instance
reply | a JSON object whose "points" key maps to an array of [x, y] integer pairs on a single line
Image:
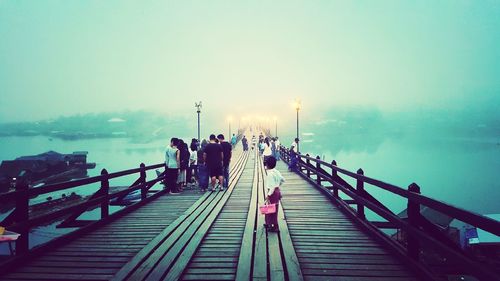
{"points": [[172, 164], [184, 164], [274, 180], [192, 169], [267, 152]]}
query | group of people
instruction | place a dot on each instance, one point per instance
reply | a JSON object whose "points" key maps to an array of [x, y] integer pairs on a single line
{"points": [[207, 165], [180, 164], [198, 164]]}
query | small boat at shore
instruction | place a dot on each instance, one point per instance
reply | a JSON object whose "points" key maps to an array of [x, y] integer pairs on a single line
{"points": [[48, 167]]}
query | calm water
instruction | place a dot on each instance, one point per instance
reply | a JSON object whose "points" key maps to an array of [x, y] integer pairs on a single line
{"points": [[460, 171]]}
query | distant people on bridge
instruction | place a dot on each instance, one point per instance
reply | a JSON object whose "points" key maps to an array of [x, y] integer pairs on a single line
{"points": [[277, 145], [172, 164], [261, 146], [234, 139], [267, 151], [244, 142], [254, 141], [192, 171], [226, 154], [274, 180], [202, 168], [184, 164], [213, 156], [294, 155]]}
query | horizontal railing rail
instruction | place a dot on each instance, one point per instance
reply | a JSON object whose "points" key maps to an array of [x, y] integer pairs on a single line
{"points": [[418, 228], [20, 220]]}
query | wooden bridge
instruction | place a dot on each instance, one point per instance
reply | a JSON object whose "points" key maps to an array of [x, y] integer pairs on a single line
{"points": [[324, 232]]}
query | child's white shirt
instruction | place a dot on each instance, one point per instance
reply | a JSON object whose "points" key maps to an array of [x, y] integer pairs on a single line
{"points": [[273, 179]]}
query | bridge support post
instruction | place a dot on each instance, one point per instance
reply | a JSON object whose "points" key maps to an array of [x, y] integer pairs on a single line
{"points": [[334, 175], [104, 192], [22, 215], [360, 188], [413, 210], [308, 164], [142, 180], [318, 167]]}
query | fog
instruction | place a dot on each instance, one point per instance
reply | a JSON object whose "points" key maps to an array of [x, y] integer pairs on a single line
{"points": [[249, 57]]}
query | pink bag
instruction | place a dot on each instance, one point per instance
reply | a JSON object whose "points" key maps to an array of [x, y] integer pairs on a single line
{"points": [[268, 209]]}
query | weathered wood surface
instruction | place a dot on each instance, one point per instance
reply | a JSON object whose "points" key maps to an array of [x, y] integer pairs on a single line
{"points": [[169, 253], [217, 256], [328, 244], [100, 254]]}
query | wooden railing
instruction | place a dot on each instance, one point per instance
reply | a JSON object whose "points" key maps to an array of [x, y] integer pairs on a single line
{"points": [[20, 220], [419, 230]]}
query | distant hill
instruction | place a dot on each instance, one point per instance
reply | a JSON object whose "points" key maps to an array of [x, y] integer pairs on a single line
{"points": [[138, 125]]}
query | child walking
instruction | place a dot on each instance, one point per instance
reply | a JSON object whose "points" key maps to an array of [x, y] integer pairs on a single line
{"points": [[274, 180]]}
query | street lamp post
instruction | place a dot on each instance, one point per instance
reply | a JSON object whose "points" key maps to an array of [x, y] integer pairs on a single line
{"points": [[275, 126], [229, 119], [198, 107], [297, 107]]}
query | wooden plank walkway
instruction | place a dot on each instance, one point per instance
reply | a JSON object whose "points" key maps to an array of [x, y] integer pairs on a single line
{"points": [[329, 245], [101, 253], [217, 256], [168, 254]]}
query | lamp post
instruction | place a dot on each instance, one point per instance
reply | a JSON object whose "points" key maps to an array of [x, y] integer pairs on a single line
{"points": [[198, 110], [275, 126], [229, 119], [297, 105]]}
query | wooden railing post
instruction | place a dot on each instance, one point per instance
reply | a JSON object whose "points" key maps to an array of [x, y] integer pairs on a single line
{"points": [[334, 175], [308, 163], [104, 191], [360, 188], [144, 191], [318, 167], [413, 211], [22, 215]]}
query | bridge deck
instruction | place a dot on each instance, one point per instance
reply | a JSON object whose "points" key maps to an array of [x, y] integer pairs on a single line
{"points": [[220, 236]]}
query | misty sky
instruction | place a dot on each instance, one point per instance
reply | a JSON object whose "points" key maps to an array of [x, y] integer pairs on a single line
{"points": [[66, 57]]}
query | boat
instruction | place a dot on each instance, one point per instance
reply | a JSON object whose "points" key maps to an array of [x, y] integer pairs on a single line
{"points": [[48, 167]]}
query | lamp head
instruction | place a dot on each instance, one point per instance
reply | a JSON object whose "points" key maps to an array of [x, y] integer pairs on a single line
{"points": [[297, 104]]}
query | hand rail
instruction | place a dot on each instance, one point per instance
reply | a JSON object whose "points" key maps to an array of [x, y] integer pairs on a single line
{"points": [[469, 217], [20, 220]]}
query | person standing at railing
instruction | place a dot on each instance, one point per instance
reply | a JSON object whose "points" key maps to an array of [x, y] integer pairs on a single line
{"points": [[294, 155], [172, 164], [274, 180]]}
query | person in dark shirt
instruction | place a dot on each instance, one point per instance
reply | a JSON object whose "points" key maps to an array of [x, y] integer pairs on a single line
{"points": [[202, 169], [226, 150], [244, 141], [213, 160]]}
